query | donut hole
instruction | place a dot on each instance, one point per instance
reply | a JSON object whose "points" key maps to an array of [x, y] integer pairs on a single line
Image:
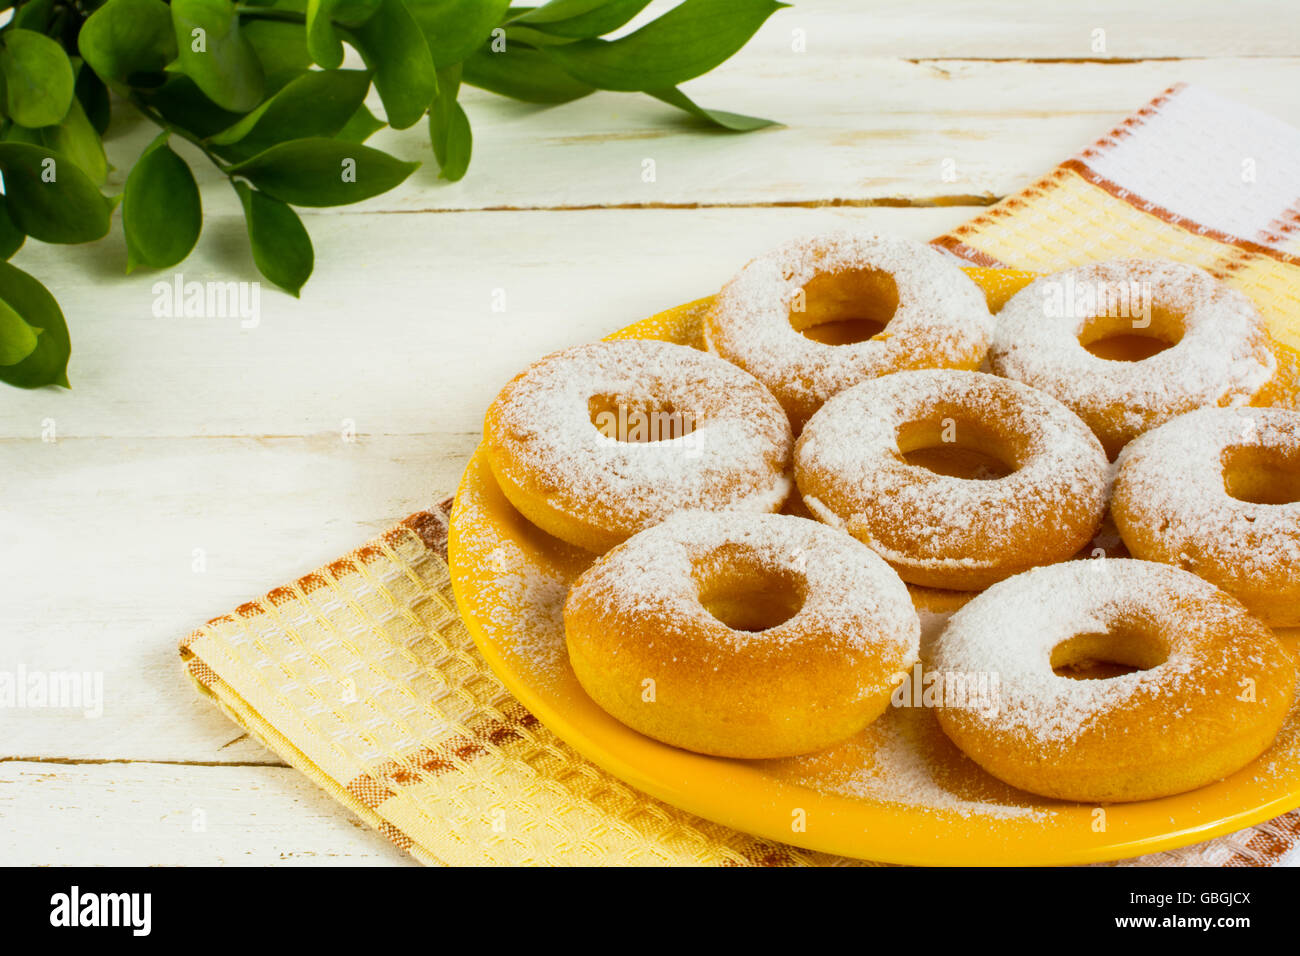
{"points": [[747, 595], [957, 448], [841, 308], [1108, 654], [1262, 476], [1131, 338], [639, 420]]}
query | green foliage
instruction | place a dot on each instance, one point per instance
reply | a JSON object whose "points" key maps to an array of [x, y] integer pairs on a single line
{"points": [[47, 363], [161, 212], [393, 47], [76, 138], [315, 103], [449, 127], [49, 198], [37, 77], [582, 19], [126, 37], [258, 89], [323, 172], [214, 53], [281, 246], [17, 338], [682, 44], [11, 237]]}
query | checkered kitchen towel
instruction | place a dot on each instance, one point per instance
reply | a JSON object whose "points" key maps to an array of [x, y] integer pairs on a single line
{"points": [[428, 746]]}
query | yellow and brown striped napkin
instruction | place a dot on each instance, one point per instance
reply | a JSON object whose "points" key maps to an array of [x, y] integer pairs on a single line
{"points": [[362, 676]]}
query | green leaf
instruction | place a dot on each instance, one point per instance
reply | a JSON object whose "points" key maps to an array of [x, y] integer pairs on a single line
{"points": [[11, 237], [317, 103], [322, 39], [17, 338], [38, 78], [734, 122], [685, 42], [454, 29], [323, 43], [49, 198], [13, 133], [281, 247], [556, 10], [92, 94], [521, 34], [36, 15], [161, 211], [78, 140], [323, 172], [215, 54], [523, 74], [48, 362], [360, 127], [128, 36], [353, 13], [582, 19], [449, 128], [281, 48], [182, 103], [395, 50]]}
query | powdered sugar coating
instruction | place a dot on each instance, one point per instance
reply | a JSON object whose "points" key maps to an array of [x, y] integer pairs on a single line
{"points": [[1222, 357], [754, 636], [849, 591], [942, 319], [852, 474], [529, 609], [904, 759], [541, 436], [1012, 628], [1171, 504]]}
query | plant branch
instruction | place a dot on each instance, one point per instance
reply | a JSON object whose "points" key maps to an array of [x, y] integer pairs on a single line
{"points": [[163, 123]]}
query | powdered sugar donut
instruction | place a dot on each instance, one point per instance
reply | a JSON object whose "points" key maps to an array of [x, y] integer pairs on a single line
{"points": [[1211, 689], [1219, 352], [741, 635], [940, 530], [596, 442], [933, 315], [1217, 492]]}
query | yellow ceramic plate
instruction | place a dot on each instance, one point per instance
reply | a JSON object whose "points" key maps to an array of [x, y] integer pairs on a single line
{"points": [[899, 792]]}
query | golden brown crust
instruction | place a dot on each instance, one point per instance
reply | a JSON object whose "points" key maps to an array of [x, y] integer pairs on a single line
{"points": [[944, 531], [688, 431], [1217, 492], [1218, 353], [1213, 696], [646, 645], [778, 318]]}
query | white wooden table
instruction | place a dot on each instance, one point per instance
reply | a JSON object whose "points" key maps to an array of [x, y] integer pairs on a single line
{"points": [[196, 437]]}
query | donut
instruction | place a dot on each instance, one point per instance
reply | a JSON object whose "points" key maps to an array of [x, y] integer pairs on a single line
{"points": [[741, 635], [1217, 492], [1218, 350], [778, 317], [1209, 688], [596, 442], [940, 530]]}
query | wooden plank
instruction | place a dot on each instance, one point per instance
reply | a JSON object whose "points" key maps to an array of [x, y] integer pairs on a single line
{"points": [[859, 127], [158, 815], [1007, 29]]}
